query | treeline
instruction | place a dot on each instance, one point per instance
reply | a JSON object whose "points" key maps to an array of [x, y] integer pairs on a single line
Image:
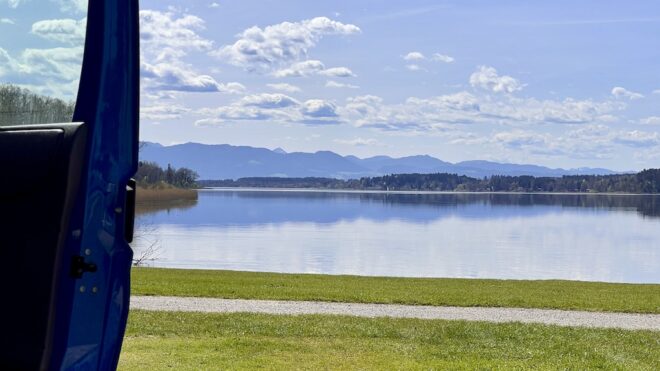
{"points": [[150, 174], [647, 181], [20, 106]]}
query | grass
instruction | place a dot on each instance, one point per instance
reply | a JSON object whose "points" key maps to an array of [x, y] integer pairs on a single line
{"points": [[164, 192], [197, 341], [588, 296]]}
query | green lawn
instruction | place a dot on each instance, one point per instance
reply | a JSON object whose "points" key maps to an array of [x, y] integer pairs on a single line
{"points": [[590, 296], [196, 341]]}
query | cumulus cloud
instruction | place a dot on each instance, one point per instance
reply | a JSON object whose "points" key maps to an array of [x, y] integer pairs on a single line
{"points": [[417, 57], [162, 112], [416, 114], [72, 6], [67, 31], [214, 5], [312, 67], [487, 78], [287, 88], [337, 72], [637, 139], [168, 30], [413, 67], [301, 69], [656, 91], [6, 21], [174, 75], [272, 107], [651, 120], [442, 58], [339, 85], [319, 108], [622, 93], [166, 38], [52, 71], [268, 101], [443, 111], [262, 49], [414, 56]]}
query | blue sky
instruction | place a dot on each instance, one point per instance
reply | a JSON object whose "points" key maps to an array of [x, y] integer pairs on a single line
{"points": [[562, 84]]}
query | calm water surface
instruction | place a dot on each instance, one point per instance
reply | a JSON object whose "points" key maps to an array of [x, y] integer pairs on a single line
{"points": [[576, 237]]}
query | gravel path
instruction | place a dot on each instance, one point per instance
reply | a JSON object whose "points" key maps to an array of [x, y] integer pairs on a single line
{"points": [[546, 316]]}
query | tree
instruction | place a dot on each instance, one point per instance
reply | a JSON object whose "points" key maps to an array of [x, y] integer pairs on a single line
{"points": [[20, 106]]}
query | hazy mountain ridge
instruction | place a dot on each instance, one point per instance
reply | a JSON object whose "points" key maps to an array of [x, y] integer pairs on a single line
{"points": [[224, 161]]}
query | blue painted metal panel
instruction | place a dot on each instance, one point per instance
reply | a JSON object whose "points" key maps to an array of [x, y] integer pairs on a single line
{"points": [[92, 311]]}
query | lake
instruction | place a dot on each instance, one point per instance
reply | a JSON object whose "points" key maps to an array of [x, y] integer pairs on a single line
{"points": [[612, 238]]}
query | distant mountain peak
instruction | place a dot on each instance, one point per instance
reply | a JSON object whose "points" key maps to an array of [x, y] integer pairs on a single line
{"points": [[280, 151], [224, 161]]}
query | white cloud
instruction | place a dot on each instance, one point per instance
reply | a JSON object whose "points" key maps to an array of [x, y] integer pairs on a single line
{"points": [[414, 56], [237, 113], [272, 107], [444, 111], [162, 112], [636, 139], [567, 111], [335, 84], [442, 58], [301, 69], [67, 31], [166, 38], [413, 67], [656, 91], [312, 67], [267, 100], [174, 75], [435, 113], [487, 78], [358, 142], [14, 3], [337, 72], [619, 92], [651, 120], [288, 88], [73, 6], [232, 88], [586, 142], [52, 71], [214, 5], [167, 30], [6, 21], [259, 49], [209, 122], [319, 108]]}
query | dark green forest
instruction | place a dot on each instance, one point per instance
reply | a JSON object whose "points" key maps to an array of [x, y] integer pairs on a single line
{"points": [[646, 181], [19, 106]]}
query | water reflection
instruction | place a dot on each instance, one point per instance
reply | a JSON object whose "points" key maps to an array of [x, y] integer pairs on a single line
{"points": [[586, 237]]}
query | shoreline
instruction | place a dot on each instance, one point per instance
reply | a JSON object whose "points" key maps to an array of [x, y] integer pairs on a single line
{"points": [[155, 195], [411, 192], [378, 277], [542, 294]]}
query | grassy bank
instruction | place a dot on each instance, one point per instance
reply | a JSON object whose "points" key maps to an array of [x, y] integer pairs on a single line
{"points": [[589, 296], [164, 193], [196, 341]]}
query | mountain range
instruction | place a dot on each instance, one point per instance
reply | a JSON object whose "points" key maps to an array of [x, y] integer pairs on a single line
{"points": [[224, 161]]}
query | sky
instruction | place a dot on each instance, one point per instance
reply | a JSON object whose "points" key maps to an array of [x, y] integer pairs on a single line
{"points": [[562, 84]]}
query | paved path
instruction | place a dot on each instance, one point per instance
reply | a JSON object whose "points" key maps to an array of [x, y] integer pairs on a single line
{"points": [[545, 316]]}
